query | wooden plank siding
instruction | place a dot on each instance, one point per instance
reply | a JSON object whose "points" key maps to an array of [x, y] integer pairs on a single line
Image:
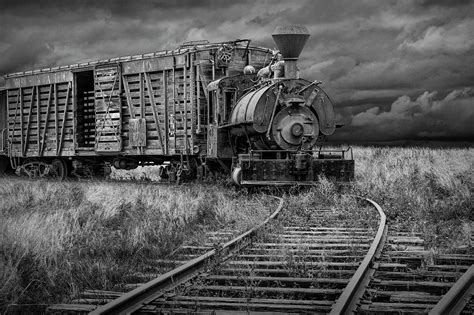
{"points": [[159, 98], [35, 116], [165, 96]]}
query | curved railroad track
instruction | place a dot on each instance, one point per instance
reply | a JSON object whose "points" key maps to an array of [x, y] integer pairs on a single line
{"points": [[408, 279], [316, 262]]}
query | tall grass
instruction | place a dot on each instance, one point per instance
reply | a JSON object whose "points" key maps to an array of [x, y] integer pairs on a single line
{"points": [[420, 189], [57, 239]]}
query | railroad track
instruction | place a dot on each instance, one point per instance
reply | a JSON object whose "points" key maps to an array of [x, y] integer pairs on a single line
{"points": [[411, 280], [318, 261]]}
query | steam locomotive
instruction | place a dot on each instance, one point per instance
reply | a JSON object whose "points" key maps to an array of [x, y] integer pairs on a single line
{"points": [[199, 109]]}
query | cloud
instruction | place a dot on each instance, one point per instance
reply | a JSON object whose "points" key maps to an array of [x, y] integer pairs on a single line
{"points": [[451, 39], [30, 57], [369, 54], [333, 69], [367, 117], [422, 117], [444, 3]]}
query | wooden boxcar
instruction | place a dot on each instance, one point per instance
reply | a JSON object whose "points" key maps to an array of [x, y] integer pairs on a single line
{"points": [[127, 110]]}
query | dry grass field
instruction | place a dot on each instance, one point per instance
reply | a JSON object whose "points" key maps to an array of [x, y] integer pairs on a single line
{"points": [[57, 239], [427, 190]]}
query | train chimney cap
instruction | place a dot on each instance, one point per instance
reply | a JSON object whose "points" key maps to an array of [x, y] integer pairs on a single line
{"points": [[290, 40]]}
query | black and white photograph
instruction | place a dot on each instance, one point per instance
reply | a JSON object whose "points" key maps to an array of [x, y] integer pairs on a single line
{"points": [[236, 157]]}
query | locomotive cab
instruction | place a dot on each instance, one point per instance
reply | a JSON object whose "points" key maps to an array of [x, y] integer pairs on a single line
{"points": [[223, 95]]}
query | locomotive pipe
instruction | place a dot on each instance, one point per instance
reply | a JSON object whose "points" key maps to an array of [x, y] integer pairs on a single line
{"points": [[315, 83], [273, 113], [290, 40]]}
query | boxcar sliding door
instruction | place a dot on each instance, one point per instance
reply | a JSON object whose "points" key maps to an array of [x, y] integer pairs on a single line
{"points": [[108, 109]]}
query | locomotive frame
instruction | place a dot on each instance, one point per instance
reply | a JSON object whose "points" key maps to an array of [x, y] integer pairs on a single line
{"points": [[172, 105]]}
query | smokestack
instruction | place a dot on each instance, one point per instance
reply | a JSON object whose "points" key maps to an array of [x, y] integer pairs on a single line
{"points": [[290, 40]]}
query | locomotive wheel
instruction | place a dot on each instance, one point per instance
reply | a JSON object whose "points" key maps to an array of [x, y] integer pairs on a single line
{"points": [[237, 175], [59, 169]]}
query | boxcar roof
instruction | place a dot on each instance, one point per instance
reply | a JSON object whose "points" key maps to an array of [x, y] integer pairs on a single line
{"points": [[184, 48]]}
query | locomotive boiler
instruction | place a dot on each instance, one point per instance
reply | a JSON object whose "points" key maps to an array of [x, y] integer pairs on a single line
{"points": [[202, 108]]}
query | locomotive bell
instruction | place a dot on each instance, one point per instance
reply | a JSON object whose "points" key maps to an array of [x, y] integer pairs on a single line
{"points": [[290, 40]]}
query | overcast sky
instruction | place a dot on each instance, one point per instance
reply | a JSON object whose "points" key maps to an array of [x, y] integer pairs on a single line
{"points": [[394, 69]]}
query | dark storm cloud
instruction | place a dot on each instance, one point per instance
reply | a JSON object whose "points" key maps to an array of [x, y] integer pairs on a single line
{"points": [[27, 57], [426, 116], [444, 3], [368, 54]]}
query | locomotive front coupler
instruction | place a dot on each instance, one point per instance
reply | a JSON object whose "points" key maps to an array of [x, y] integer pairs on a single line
{"points": [[302, 160]]}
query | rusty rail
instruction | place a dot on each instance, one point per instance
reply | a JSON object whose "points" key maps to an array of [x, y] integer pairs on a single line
{"points": [[135, 299], [350, 297], [454, 301]]}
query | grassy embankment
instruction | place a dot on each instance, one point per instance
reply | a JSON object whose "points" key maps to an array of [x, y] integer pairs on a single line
{"points": [[57, 239]]}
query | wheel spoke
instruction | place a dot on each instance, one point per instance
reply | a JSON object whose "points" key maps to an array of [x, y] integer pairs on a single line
{"points": [[40, 169]]}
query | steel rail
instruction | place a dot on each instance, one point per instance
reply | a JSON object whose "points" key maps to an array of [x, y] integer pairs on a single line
{"points": [[454, 301], [350, 297], [135, 299]]}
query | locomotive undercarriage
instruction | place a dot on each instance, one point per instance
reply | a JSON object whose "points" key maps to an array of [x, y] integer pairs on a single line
{"points": [[292, 168]]}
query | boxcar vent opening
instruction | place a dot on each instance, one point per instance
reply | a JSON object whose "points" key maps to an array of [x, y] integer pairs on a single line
{"points": [[85, 109]]}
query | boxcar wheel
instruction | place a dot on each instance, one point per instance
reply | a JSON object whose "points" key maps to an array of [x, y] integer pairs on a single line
{"points": [[60, 168]]}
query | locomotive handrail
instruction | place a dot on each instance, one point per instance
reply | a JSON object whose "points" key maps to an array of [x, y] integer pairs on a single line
{"points": [[354, 290], [133, 300], [458, 296]]}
